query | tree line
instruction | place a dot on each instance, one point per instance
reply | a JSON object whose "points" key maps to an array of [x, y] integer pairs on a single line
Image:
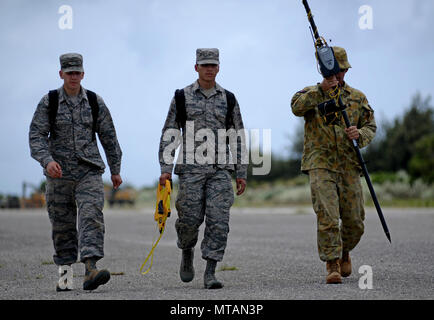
{"points": [[404, 143]]}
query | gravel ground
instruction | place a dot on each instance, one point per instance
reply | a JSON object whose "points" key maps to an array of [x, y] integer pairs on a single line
{"points": [[271, 255]]}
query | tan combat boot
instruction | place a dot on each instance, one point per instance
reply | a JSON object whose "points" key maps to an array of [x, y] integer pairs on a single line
{"points": [[93, 277], [334, 272], [345, 264]]}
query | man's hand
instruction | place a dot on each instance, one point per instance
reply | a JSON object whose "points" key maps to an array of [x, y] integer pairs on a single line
{"points": [[352, 133], [241, 186], [116, 180], [164, 177], [328, 83], [54, 170]]}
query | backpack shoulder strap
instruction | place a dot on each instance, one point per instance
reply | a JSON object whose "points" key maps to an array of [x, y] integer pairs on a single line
{"points": [[93, 102], [53, 105], [181, 113], [230, 98]]}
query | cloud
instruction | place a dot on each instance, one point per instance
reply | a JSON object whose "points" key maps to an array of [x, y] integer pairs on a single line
{"points": [[137, 53]]}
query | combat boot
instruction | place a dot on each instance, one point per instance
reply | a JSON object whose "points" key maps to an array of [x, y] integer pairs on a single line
{"points": [[186, 271], [93, 277], [345, 264], [65, 280], [334, 275], [209, 278]]}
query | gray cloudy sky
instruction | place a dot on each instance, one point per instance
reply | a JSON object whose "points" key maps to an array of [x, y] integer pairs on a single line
{"points": [[136, 53]]}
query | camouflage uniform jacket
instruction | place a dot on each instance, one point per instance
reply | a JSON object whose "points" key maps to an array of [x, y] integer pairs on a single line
{"points": [[73, 142], [328, 146], [205, 113]]}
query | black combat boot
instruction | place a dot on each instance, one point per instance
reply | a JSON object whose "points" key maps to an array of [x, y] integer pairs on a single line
{"points": [[209, 279], [186, 271], [93, 277]]}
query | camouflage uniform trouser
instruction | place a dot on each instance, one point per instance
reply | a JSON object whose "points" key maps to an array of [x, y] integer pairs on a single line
{"points": [[334, 196], [64, 197], [203, 195]]}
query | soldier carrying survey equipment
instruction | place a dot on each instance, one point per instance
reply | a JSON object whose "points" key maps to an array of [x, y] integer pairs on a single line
{"points": [[333, 168]]}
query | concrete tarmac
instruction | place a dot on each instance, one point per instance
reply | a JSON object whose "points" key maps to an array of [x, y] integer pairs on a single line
{"points": [[271, 255]]}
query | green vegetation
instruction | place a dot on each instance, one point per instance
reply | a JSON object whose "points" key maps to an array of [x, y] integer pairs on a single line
{"points": [[422, 162], [278, 193], [392, 189], [406, 143], [400, 160], [227, 268], [400, 189]]}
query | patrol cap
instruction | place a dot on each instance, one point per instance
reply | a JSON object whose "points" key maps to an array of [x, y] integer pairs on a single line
{"points": [[71, 62], [207, 56], [341, 56]]}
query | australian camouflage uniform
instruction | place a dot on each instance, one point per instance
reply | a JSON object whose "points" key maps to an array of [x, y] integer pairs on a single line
{"points": [[333, 167], [71, 143]]}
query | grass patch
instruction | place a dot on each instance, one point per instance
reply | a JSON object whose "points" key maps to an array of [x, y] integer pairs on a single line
{"points": [[47, 262], [392, 190], [39, 277], [227, 268], [301, 211], [403, 203]]}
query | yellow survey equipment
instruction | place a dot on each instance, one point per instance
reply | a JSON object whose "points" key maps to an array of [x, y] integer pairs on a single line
{"points": [[162, 212]]}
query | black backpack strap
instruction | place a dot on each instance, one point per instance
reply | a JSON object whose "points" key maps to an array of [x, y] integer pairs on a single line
{"points": [[93, 102], [53, 105], [181, 112], [230, 98]]}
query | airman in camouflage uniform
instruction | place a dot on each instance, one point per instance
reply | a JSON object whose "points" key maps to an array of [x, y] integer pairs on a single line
{"points": [[333, 167], [71, 161], [205, 188]]}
